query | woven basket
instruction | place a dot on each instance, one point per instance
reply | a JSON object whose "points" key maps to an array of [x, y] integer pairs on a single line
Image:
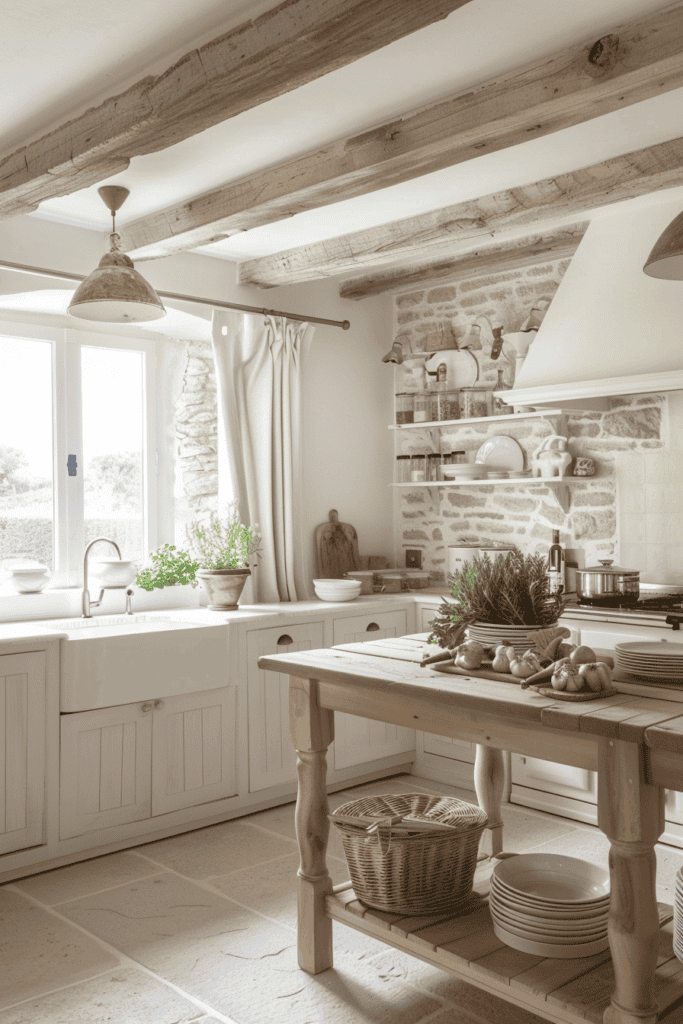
{"points": [[422, 873]]}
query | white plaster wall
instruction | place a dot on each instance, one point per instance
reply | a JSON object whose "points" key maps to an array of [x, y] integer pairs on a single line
{"points": [[347, 397], [608, 318]]}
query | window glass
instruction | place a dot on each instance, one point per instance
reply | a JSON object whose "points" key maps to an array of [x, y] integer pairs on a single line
{"points": [[26, 454], [112, 384]]}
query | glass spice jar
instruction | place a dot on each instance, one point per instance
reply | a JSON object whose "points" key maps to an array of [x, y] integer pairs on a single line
{"points": [[421, 407], [434, 466], [402, 469], [418, 469], [404, 407], [475, 403], [445, 405]]}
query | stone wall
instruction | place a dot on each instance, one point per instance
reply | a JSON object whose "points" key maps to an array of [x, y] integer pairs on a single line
{"points": [[196, 433], [432, 518]]}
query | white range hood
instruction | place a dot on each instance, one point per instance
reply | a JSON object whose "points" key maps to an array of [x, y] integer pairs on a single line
{"points": [[610, 329]]}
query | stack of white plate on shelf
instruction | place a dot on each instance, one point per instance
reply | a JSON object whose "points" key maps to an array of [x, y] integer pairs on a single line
{"points": [[678, 915], [464, 471], [652, 660], [550, 905], [337, 590], [489, 634]]}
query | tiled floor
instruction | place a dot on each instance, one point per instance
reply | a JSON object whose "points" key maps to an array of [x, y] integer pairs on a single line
{"points": [[201, 927]]}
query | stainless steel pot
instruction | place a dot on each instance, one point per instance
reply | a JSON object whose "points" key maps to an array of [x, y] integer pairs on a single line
{"points": [[600, 584]]}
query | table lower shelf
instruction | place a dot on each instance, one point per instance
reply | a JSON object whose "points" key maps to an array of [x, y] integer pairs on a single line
{"points": [[467, 947]]}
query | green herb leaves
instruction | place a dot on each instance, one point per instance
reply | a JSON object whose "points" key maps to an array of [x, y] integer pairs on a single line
{"points": [[170, 566]]}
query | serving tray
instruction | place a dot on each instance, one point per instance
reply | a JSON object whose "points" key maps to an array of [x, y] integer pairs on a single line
{"points": [[548, 691]]}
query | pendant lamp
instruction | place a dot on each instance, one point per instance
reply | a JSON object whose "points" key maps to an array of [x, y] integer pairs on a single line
{"points": [[666, 259], [115, 293]]}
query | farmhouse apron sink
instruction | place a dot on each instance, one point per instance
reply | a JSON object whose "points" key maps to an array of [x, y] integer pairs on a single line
{"points": [[120, 659]]}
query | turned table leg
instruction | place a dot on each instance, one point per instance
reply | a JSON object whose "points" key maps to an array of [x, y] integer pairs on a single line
{"points": [[489, 782], [631, 814], [312, 731]]}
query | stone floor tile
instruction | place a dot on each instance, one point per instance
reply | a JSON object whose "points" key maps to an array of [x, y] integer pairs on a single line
{"points": [[215, 850], [40, 952], [86, 877], [234, 960], [394, 784], [432, 786], [273, 892], [470, 1005], [522, 830], [281, 821], [126, 996]]}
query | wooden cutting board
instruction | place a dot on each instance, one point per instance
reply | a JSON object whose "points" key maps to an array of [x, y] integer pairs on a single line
{"points": [[337, 547]]}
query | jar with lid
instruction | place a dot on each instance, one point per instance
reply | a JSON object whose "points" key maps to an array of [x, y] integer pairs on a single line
{"points": [[422, 407], [418, 469], [402, 469], [434, 466], [475, 402], [404, 407], [445, 405]]}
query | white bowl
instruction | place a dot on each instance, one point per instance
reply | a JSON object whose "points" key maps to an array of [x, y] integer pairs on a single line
{"points": [[327, 590], [112, 572], [338, 584], [30, 581], [552, 878]]}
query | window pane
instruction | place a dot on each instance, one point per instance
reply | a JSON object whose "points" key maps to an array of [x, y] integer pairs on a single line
{"points": [[113, 446], [26, 505]]}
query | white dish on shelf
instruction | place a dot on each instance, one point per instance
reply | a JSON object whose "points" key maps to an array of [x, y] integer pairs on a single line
{"points": [[464, 471], [501, 452], [553, 878], [549, 949]]}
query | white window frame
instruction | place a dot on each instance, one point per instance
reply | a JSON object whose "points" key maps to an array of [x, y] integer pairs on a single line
{"points": [[68, 507]]}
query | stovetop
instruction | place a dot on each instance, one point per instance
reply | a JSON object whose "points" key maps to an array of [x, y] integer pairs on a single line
{"points": [[655, 602]]}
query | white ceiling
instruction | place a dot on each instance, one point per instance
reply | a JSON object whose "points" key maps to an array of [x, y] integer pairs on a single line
{"points": [[85, 50]]}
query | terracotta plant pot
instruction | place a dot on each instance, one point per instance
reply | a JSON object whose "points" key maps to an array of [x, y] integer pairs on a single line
{"points": [[223, 587]]}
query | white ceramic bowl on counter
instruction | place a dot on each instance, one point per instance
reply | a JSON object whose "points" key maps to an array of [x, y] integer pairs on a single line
{"points": [[337, 590], [30, 580], [112, 572]]}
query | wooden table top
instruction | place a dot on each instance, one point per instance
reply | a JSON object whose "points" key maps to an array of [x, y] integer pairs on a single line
{"points": [[392, 666]]}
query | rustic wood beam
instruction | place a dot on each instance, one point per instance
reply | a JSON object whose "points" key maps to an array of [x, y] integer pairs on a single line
{"points": [[540, 204], [284, 48], [513, 254], [641, 59]]}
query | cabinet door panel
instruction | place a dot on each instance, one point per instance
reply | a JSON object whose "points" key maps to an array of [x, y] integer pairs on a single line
{"points": [[445, 746], [105, 774], [561, 779], [272, 760], [358, 740], [22, 750], [194, 749]]}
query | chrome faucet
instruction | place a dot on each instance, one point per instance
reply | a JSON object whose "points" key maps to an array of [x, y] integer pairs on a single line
{"points": [[86, 603]]}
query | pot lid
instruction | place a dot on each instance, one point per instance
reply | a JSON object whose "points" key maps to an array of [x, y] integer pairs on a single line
{"points": [[607, 568]]}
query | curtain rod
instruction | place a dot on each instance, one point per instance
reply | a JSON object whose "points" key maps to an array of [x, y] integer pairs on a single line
{"points": [[23, 268]]}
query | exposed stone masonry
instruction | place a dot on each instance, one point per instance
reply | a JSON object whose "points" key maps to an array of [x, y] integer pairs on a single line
{"points": [[196, 428], [433, 518]]}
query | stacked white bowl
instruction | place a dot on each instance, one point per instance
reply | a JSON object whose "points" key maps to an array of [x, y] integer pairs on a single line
{"points": [[550, 905], [337, 590]]}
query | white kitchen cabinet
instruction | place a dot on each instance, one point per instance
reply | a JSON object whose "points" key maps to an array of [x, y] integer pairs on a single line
{"points": [[272, 760], [106, 768], [22, 750], [359, 740], [194, 754]]}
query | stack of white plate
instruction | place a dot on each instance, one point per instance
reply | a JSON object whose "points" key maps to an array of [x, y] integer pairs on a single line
{"points": [[489, 634], [464, 471], [337, 590], [550, 905], [678, 915], [651, 659]]}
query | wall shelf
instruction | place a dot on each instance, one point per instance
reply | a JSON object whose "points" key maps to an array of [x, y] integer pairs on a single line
{"points": [[559, 486], [508, 418]]}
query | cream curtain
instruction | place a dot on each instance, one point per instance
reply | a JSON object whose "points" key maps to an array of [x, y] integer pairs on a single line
{"points": [[259, 366]]}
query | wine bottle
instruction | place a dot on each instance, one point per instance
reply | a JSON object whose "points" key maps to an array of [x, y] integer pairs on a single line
{"points": [[556, 565]]}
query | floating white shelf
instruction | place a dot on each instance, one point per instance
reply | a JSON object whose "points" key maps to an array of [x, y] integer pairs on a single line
{"points": [[508, 418], [559, 486]]}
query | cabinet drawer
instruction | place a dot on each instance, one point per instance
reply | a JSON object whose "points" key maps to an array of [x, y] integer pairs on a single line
{"points": [[371, 626], [271, 757], [561, 779]]}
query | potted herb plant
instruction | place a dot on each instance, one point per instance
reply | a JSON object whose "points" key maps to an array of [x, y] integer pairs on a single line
{"points": [[170, 567], [224, 548], [509, 594]]}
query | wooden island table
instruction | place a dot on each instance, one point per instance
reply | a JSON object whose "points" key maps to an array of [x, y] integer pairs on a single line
{"points": [[636, 745]]}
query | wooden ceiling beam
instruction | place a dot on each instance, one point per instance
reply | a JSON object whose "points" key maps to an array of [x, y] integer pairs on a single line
{"points": [[539, 206], [512, 254], [284, 48], [641, 59]]}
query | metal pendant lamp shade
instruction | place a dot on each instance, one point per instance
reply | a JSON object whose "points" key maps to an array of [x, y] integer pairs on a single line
{"points": [[115, 293], [666, 259]]}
